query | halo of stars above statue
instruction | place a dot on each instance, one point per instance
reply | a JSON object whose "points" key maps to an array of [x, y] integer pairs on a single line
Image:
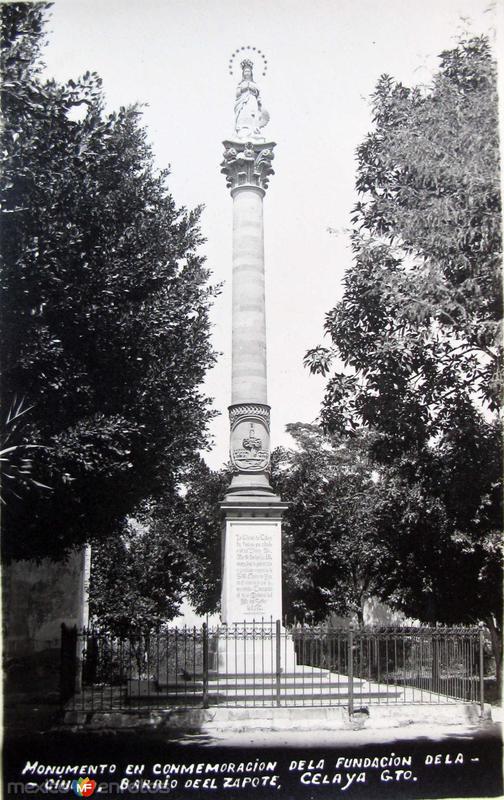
{"points": [[247, 51]]}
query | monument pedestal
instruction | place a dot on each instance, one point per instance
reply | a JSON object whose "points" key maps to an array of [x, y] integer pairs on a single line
{"points": [[251, 604], [255, 650], [252, 559]]}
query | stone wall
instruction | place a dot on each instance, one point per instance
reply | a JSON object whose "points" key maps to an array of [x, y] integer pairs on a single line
{"points": [[37, 599]]}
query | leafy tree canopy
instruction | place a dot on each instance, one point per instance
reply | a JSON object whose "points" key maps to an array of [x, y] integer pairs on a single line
{"points": [[419, 532], [170, 550], [333, 560], [105, 336], [419, 322], [418, 333]]}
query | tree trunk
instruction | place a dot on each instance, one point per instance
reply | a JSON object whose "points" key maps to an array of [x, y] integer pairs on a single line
{"points": [[496, 639], [360, 609]]}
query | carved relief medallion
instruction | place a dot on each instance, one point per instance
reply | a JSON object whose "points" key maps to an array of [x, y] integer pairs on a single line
{"points": [[249, 445]]}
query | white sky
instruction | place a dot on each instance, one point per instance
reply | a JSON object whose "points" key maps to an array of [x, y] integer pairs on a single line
{"points": [[324, 58]]}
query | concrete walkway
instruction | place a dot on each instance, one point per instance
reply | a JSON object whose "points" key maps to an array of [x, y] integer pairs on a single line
{"points": [[348, 738]]}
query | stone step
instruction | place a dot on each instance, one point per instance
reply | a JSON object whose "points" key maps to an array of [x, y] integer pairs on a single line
{"points": [[290, 684], [306, 698], [226, 685], [293, 695], [262, 692], [300, 679], [258, 691], [265, 700], [299, 673], [235, 682], [152, 688]]}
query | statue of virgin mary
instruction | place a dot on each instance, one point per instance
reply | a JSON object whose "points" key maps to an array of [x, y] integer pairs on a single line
{"points": [[250, 117]]}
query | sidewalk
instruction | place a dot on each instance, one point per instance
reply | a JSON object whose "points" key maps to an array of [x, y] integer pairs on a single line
{"points": [[337, 738], [444, 760]]}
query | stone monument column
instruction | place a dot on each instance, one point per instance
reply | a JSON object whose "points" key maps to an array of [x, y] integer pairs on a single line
{"points": [[251, 545], [247, 167]]}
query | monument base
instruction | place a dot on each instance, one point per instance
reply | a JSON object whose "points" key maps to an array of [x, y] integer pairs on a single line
{"points": [[252, 641], [252, 559], [255, 650]]}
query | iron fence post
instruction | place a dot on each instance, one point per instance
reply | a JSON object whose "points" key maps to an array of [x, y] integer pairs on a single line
{"points": [[350, 669], [482, 668], [205, 665], [278, 661]]}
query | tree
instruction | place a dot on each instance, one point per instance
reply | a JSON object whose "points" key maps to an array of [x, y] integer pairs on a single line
{"points": [[170, 550], [440, 523], [137, 577], [418, 332], [420, 318], [333, 559], [203, 530], [105, 330]]}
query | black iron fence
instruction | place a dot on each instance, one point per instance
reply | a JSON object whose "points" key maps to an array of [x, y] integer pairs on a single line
{"points": [[270, 664]]}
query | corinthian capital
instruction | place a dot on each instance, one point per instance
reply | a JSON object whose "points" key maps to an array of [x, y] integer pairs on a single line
{"points": [[247, 164]]}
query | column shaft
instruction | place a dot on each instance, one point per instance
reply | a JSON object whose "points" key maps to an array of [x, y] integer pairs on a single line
{"points": [[248, 382], [247, 167]]}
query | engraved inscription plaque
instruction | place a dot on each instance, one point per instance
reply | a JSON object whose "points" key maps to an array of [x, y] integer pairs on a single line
{"points": [[254, 570]]}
